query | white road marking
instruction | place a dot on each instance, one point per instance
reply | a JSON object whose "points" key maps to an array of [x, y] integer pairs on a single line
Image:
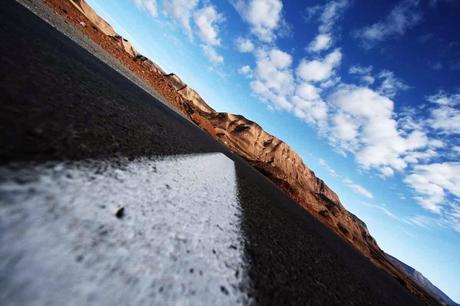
{"points": [[177, 242]]}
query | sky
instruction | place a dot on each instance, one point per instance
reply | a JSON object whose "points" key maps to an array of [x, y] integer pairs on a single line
{"points": [[367, 92]]}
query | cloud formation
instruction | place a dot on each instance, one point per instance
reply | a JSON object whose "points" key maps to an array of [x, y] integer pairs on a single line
{"points": [[321, 42], [181, 11], [363, 124], [308, 104], [274, 82], [402, 17], [433, 181], [445, 116], [358, 189], [383, 209], [363, 73], [329, 14], [149, 5], [245, 70], [264, 17], [212, 55], [207, 20], [202, 21], [319, 69], [244, 45]]}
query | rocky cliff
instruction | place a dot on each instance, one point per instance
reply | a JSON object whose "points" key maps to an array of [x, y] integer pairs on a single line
{"points": [[102, 25], [189, 94]]}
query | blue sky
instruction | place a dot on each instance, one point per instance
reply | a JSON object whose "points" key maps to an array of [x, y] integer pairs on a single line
{"points": [[366, 92]]}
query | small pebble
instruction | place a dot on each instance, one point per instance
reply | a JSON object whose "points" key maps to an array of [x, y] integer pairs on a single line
{"points": [[224, 290], [120, 213]]}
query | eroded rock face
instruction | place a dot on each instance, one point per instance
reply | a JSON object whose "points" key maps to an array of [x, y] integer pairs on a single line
{"points": [[95, 19], [103, 25], [189, 94]]}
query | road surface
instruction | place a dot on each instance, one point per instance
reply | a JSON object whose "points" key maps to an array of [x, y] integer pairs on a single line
{"points": [[108, 197]]}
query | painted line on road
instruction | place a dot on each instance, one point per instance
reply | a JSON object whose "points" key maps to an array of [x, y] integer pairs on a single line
{"points": [[149, 231]]}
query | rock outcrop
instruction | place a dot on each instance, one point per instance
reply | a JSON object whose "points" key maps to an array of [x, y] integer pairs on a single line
{"points": [[189, 94], [103, 26]]}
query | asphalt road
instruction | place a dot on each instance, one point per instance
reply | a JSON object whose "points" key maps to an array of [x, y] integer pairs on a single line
{"points": [[107, 197]]}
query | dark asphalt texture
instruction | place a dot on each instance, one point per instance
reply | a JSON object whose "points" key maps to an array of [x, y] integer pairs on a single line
{"points": [[58, 102]]}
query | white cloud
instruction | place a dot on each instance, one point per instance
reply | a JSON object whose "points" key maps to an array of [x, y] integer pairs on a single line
{"points": [[383, 209], [424, 221], [360, 70], [244, 45], [264, 16], [206, 24], [402, 17], [207, 20], [212, 54], [358, 189], [319, 70], [274, 81], [321, 42], [367, 79], [455, 212], [363, 123], [330, 14], [390, 84], [308, 104], [453, 217], [449, 218], [246, 71], [332, 172], [416, 157], [149, 5], [275, 84], [433, 181], [307, 91], [181, 11], [364, 74], [445, 117], [273, 68], [443, 98]]}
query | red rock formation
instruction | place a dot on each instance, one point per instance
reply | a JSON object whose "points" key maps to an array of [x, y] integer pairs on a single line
{"points": [[189, 94]]}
